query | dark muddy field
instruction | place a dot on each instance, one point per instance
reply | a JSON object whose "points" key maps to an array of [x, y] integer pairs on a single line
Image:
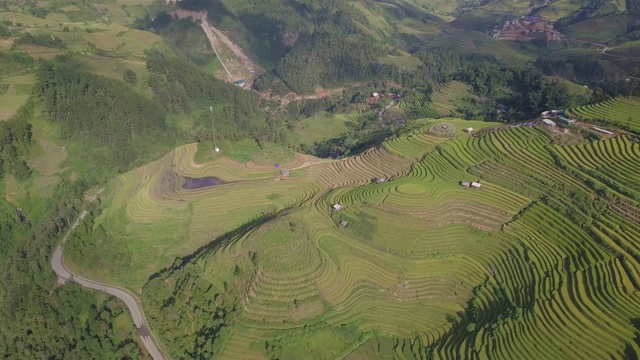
{"points": [[200, 183]]}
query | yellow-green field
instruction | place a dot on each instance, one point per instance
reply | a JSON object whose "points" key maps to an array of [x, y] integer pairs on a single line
{"points": [[420, 258], [623, 111], [322, 127]]}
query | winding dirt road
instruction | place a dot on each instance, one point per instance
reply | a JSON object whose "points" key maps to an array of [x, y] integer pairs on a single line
{"points": [[126, 296]]}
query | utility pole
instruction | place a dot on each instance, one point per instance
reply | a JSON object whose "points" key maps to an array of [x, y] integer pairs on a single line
{"points": [[213, 128]]}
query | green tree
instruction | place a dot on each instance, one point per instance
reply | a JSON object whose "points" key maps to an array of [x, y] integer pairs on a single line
{"points": [[130, 77], [598, 95]]}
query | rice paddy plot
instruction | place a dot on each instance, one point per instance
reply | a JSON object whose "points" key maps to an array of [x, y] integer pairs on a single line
{"points": [[620, 112], [413, 145], [446, 97], [420, 109], [411, 259], [614, 158]]}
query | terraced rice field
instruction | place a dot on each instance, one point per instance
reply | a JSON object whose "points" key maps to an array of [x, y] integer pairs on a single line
{"points": [[621, 111], [447, 96], [540, 262], [421, 108]]}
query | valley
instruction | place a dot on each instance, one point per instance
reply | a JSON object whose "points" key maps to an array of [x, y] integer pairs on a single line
{"points": [[324, 179]]}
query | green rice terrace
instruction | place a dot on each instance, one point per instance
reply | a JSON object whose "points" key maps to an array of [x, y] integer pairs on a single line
{"points": [[624, 112], [538, 257]]}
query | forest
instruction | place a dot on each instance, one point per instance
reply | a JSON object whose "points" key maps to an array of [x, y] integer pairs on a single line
{"points": [[181, 87], [122, 121], [40, 319], [15, 140]]}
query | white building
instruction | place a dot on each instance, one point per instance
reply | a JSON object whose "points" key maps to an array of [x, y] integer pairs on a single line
{"points": [[549, 123]]}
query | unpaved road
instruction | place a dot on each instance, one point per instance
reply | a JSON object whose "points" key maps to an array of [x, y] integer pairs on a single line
{"points": [[238, 65], [127, 297], [248, 63]]}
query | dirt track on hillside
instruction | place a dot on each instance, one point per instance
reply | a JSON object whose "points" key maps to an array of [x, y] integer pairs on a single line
{"points": [[236, 63]]}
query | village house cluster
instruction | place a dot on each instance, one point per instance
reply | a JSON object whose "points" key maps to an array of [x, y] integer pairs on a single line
{"points": [[375, 97], [549, 116], [527, 28]]}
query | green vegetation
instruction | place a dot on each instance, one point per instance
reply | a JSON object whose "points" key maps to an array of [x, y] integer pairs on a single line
{"points": [[621, 112], [123, 124], [41, 319], [322, 127], [181, 87], [292, 272], [15, 136], [234, 257], [187, 37]]}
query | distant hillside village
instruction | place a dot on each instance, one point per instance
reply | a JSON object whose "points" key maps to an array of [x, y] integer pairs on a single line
{"points": [[527, 28]]}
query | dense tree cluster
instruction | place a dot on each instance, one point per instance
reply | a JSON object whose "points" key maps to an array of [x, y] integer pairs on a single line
{"points": [[15, 139], [4, 31], [39, 320], [633, 6], [522, 88], [184, 88], [101, 113], [581, 69], [194, 300], [329, 60], [47, 40], [13, 61], [307, 43], [184, 34]]}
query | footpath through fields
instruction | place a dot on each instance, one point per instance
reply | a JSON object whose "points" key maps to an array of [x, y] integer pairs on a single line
{"points": [[127, 297]]}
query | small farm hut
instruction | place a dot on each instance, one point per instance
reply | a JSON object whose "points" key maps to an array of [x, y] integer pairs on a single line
{"points": [[285, 173], [380, 180], [469, 130], [344, 223], [564, 121], [601, 130], [549, 123], [337, 207], [217, 149], [475, 185]]}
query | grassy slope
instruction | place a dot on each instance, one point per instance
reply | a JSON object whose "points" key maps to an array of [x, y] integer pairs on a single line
{"points": [[602, 29], [321, 127]]}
